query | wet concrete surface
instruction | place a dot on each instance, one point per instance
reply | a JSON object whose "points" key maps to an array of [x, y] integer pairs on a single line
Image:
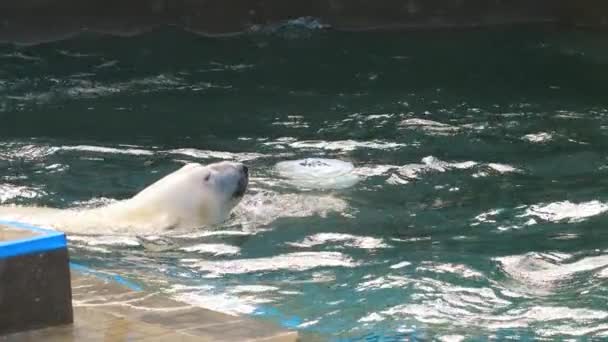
{"points": [[107, 311]]}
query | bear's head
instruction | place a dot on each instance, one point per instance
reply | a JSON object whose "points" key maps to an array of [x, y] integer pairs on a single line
{"points": [[196, 195]]}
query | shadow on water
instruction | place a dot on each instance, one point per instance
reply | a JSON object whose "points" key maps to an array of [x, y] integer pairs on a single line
{"points": [[169, 84]]}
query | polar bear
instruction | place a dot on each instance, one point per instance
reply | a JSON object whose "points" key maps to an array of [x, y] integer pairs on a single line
{"points": [[192, 197]]}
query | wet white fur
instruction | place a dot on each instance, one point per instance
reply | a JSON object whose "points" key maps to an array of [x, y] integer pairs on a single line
{"points": [[192, 197]]}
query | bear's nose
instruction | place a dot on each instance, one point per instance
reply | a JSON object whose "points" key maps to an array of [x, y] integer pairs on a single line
{"points": [[245, 170]]}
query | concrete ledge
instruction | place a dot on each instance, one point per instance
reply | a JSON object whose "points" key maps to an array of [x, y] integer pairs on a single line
{"points": [[34, 278], [105, 310], [40, 290]]}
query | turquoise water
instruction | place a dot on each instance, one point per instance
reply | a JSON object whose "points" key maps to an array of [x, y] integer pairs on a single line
{"points": [[481, 206]]}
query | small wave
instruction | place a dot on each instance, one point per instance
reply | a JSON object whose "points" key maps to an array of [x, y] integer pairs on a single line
{"points": [[227, 304], [107, 64], [400, 265], [13, 152], [10, 192], [372, 317], [252, 289], [306, 23], [374, 170], [214, 249], [207, 154], [109, 150], [217, 66], [384, 282], [338, 145], [293, 121], [544, 271], [429, 126], [105, 240], [458, 269], [452, 338], [488, 216], [363, 242], [300, 261], [541, 137], [75, 54], [208, 233], [89, 90], [566, 210], [429, 164], [164, 80], [505, 219], [264, 207], [56, 168], [21, 56], [502, 168], [439, 302], [346, 145]]}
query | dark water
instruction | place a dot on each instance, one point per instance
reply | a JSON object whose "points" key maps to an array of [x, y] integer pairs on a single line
{"points": [[510, 244]]}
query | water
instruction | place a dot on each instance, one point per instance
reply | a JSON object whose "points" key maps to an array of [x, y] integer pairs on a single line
{"points": [[479, 207]]}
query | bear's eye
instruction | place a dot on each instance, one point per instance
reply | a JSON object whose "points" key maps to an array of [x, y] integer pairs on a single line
{"points": [[207, 177]]}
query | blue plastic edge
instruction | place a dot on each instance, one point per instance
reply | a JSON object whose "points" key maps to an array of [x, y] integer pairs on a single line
{"points": [[48, 241], [108, 277]]}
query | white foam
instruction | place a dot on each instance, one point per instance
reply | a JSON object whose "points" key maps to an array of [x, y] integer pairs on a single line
{"points": [[429, 126], [458, 269], [22, 56], [212, 248], [264, 207], [543, 271], [384, 282], [253, 289], [9, 192], [308, 323], [105, 240], [338, 145], [429, 164], [56, 168], [300, 261], [206, 154], [230, 305], [400, 265], [538, 137], [451, 338], [175, 288], [372, 317], [107, 64], [363, 242], [110, 150], [488, 216], [374, 170], [502, 168], [566, 210], [293, 121], [206, 233], [26, 152]]}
